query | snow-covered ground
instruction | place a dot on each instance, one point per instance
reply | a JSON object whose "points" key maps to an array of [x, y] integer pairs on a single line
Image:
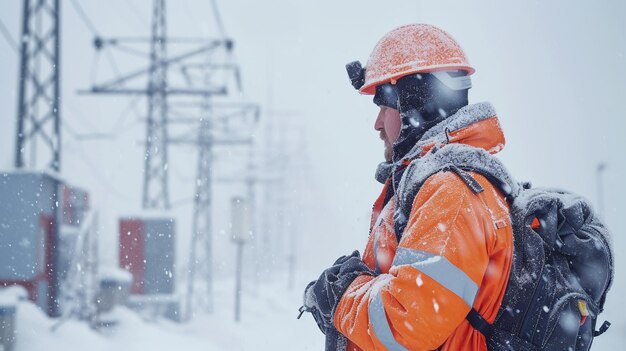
{"points": [[268, 323]]}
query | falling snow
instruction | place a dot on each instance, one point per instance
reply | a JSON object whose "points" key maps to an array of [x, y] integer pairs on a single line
{"points": [[435, 306], [303, 221], [419, 280]]}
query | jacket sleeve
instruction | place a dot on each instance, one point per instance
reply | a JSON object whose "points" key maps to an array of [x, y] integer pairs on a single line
{"points": [[436, 272]]}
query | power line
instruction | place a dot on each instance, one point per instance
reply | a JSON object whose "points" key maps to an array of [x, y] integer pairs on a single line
{"points": [[218, 19], [132, 15], [80, 115], [84, 18], [79, 151], [132, 51], [89, 24], [8, 37], [137, 13], [119, 125], [109, 56], [97, 173]]}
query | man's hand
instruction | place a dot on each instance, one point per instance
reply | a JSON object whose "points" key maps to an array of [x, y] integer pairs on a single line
{"points": [[321, 296]]}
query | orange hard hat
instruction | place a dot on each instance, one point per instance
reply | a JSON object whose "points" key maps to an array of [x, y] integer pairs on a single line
{"points": [[412, 49]]}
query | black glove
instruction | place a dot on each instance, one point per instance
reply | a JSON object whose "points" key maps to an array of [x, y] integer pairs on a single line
{"points": [[322, 296]]}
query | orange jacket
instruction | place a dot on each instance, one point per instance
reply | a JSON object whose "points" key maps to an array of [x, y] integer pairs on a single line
{"points": [[455, 253]]}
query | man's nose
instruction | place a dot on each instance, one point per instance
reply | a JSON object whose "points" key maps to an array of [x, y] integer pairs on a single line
{"points": [[378, 125]]}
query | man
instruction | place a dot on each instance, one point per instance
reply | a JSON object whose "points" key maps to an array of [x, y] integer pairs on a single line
{"points": [[440, 243]]}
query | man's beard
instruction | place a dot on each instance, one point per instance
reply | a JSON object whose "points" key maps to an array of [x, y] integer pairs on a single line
{"points": [[388, 146], [388, 149]]}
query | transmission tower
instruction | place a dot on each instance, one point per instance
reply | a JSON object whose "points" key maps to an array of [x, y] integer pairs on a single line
{"points": [[159, 92], [209, 136], [38, 107], [214, 130], [201, 225], [176, 84], [155, 189]]}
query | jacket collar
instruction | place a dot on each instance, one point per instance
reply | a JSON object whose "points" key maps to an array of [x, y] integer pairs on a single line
{"points": [[474, 125]]}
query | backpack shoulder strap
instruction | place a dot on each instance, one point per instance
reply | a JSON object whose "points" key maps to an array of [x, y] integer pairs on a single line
{"points": [[457, 158]]}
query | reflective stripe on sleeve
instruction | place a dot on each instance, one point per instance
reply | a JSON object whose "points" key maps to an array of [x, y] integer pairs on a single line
{"points": [[379, 322], [440, 270]]}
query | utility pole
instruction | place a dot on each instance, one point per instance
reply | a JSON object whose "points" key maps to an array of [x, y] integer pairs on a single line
{"points": [[241, 225], [250, 179], [38, 106]]}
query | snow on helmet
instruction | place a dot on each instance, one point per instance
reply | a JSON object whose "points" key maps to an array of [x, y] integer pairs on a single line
{"points": [[412, 49]]}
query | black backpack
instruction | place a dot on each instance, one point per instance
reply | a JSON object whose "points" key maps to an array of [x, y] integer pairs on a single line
{"points": [[561, 272], [562, 264]]}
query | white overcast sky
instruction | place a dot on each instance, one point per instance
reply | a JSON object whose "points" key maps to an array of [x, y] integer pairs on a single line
{"points": [[554, 70]]}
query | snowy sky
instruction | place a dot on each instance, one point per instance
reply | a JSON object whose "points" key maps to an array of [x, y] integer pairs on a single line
{"points": [[554, 70]]}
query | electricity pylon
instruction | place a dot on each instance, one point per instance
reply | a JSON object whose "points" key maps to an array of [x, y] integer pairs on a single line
{"points": [[38, 107], [159, 91]]}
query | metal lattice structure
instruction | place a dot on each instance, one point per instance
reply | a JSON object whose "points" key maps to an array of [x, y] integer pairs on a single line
{"points": [[180, 90], [159, 91], [155, 187], [38, 115], [201, 242], [208, 137]]}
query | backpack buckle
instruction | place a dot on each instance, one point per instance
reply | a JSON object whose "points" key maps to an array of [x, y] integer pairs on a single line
{"points": [[602, 329]]}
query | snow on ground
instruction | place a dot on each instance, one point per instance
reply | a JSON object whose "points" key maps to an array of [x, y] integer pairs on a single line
{"points": [[268, 323]]}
